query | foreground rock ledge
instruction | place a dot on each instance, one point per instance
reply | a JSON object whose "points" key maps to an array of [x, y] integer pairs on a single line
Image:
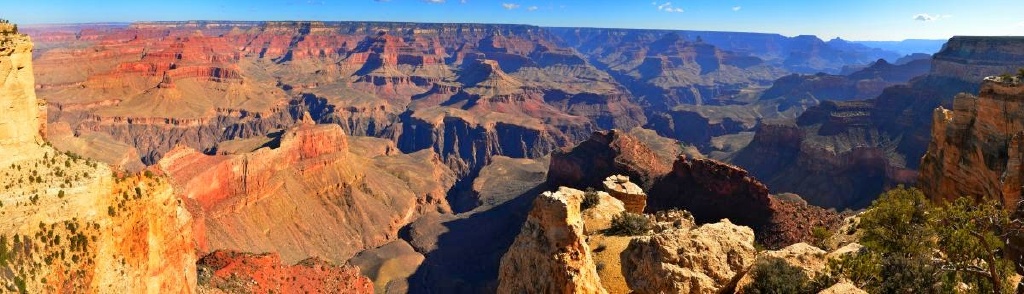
{"points": [[551, 254]]}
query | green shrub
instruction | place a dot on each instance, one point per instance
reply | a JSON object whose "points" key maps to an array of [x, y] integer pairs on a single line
{"points": [[590, 199], [820, 237], [776, 276], [914, 246], [629, 224]]}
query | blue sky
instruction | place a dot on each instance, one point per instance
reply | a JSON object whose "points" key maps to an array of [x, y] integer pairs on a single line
{"points": [[852, 20]]}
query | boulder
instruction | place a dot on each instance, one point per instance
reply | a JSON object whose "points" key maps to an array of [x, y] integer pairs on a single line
{"points": [[629, 193], [707, 259]]}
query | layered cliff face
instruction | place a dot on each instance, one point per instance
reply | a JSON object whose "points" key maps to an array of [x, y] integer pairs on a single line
{"points": [[551, 254], [976, 147], [805, 54], [154, 86], [866, 83], [308, 176], [867, 146], [68, 224]]}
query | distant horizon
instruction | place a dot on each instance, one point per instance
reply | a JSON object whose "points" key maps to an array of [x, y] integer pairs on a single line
{"points": [[866, 20], [126, 23]]}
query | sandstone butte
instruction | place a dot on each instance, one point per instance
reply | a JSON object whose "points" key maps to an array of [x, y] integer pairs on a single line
{"points": [[977, 147], [67, 224]]}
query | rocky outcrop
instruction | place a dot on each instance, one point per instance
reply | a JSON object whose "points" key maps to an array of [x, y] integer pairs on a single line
{"points": [[74, 225], [811, 260], [551, 254], [714, 190], [235, 272], [632, 197], [843, 288], [605, 154], [20, 128], [706, 259], [976, 149]]}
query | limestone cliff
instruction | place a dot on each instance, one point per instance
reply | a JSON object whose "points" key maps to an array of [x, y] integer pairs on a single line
{"points": [[67, 224], [551, 254], [19, 128], [976, 148]]}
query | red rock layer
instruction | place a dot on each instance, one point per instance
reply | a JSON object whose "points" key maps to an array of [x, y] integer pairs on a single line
{"points": [[335, 203], [235, 272], [976, 148], [605, 154]]}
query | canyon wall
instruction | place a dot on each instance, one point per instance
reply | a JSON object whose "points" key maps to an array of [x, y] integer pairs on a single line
{"points": [[976, 146], [71, 224], [865, 147]]}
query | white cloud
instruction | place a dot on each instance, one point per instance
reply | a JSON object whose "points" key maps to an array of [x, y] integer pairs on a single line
{"points": [[508, 6], [532, 8], [1021, 24], [434, 1], [737, 8], [667, 7], [930, 17]]}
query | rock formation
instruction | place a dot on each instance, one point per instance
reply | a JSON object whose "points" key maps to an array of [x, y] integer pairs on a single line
{"points": [[234, 272], [976, 149], [20, 127], [849, 152], [714, 190], [551, 254], [705, 259], [308, 176], [71, 224], [630, 194], [603, 155]]}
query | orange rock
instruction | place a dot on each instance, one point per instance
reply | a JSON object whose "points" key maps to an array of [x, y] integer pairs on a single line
{"points": [[234, 272]]}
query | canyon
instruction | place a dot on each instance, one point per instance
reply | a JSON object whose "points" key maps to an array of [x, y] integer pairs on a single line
{"points": [[222, 157]]}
